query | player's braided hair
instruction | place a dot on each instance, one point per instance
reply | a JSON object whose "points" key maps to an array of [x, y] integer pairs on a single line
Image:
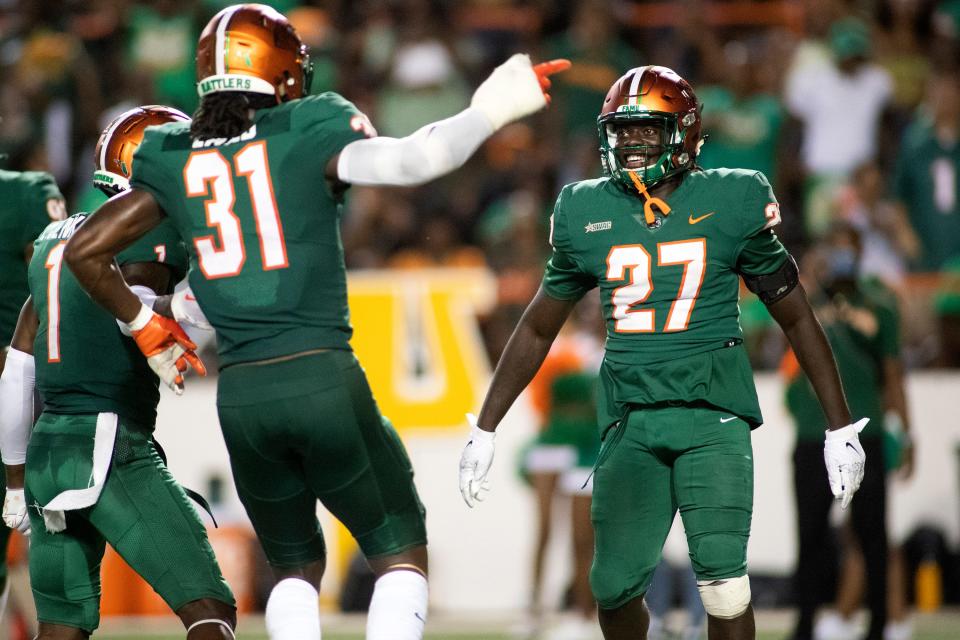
{"points": [[226, 114]]}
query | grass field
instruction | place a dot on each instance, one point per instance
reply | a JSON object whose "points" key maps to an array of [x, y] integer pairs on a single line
{"points": [[771, 625], [768, 635]]}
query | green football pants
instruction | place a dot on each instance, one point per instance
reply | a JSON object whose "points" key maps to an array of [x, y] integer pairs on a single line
{"points": [[308, 428], [142, 512], [654, 462]]}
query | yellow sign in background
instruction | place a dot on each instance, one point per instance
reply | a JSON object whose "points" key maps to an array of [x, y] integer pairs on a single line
{"points": [[416, 335]]}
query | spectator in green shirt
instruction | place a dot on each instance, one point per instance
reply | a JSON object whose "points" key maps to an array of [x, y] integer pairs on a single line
{"points": [[599, 57], [743, 118], [925, 180], [161, 42]]}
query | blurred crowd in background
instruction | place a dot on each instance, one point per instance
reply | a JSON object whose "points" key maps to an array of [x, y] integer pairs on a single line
{"points": [[851, 108]]}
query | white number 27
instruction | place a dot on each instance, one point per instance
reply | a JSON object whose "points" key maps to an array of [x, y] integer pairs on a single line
{"points": [[633, 261]]}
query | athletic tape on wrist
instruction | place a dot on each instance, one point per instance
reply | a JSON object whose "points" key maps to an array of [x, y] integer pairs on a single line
{"points": [[142, 319]]}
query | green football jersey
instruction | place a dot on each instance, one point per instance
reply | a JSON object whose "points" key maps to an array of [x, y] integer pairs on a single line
{"points": [[669, 294], [28, 202], [261, 225], [925, 181], [862, 334], [84, 364]]}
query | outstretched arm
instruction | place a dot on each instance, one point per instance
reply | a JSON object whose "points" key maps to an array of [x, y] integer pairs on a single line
{"points": [[514, 89], [795, 316]]}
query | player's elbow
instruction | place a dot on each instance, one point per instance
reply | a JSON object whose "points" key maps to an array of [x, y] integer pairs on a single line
{"points": [[79, 252], [537, 329]]}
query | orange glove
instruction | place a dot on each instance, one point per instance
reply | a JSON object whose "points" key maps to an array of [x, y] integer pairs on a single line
{"points": [[546, 69], [167, 347]]}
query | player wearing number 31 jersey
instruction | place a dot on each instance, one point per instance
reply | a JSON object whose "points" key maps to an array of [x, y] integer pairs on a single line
{"points": [[254, 185], [666, 243]]}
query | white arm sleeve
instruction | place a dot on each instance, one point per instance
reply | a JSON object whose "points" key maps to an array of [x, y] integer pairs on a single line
{"points": [[147, 297], [509, 93], [16, 406], [428, 153]]}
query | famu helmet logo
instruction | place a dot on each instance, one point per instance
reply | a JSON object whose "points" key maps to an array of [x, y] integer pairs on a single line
{"points": [[632, 108], [225, 84]]}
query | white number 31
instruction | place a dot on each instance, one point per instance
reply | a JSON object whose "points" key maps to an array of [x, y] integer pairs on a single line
{"points": [[208, 174]]}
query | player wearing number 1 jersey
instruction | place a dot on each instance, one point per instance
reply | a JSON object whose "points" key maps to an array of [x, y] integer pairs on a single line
{"points": [[88, 472], [667, 243], [29, 201], [254, 186]]}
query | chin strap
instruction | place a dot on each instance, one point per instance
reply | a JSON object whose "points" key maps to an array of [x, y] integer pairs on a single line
{"points": [[649, 201]]}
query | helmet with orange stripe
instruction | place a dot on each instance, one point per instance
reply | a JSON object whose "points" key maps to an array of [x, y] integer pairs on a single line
{"points": [[658, 98], [113, 156], [252, 48]]}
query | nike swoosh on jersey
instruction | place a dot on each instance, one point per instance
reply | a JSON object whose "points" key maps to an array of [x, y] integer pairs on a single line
{"points": [[728, 419], [693, 220]]}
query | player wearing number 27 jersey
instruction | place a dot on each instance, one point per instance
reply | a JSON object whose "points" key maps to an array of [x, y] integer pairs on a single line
{"points": [[669, 293], [254, 186], [666, 243]]}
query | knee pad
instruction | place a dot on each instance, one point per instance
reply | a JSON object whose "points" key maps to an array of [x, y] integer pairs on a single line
{"points": [[725, 599]]}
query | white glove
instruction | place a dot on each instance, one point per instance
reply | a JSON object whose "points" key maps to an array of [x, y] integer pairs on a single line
{"points": [[15, 511], [475, 463], [511, 92], [845, 460], [186, 311]]}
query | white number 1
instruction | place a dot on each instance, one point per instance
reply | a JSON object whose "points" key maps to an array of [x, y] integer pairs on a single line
{"points": [[53, 264]]}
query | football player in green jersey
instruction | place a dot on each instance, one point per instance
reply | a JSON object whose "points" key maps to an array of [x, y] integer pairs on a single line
{"points": [[88, 472], [254, 185], [667, 244], [30, 201]]}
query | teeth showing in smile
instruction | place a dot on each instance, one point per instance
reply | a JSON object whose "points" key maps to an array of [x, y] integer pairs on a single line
{"points": [[638, 161]]}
